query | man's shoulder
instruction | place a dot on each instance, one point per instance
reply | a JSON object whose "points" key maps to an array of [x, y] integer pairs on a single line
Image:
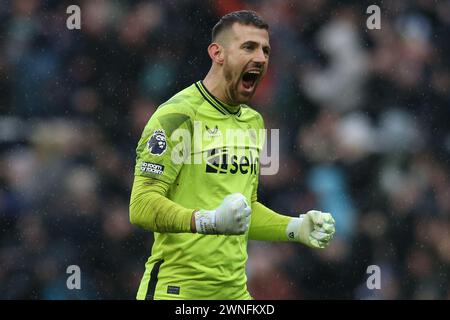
{"points": [[185, 101], [179, 110], [250, 114]]}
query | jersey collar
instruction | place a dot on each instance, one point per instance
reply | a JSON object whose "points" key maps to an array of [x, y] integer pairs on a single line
{"points": [[216, 103]]}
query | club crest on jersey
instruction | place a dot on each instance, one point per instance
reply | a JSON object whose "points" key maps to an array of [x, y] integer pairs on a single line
{"points": [[157, 143]]}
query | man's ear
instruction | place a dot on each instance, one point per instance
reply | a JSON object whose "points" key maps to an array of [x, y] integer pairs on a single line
{"points": [[216, 53]]}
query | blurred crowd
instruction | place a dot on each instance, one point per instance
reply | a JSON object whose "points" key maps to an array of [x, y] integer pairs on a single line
{"points": [[364, 131]]}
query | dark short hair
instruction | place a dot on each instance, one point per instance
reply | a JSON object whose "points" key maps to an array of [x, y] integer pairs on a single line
{"points": [[245, 17]]}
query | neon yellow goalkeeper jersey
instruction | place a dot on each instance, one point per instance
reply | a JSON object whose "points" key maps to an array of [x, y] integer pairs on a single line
{"points": [[204, 152]]}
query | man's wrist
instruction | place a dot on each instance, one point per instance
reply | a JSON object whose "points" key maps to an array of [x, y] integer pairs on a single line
{"points": [[193, 228], [205, 221], [293, 228]]}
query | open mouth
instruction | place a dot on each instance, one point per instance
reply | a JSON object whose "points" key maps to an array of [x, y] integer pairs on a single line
{"points": [[249, 79]]}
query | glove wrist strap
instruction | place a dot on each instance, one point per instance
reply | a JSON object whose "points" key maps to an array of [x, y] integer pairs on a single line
{"points": [[205, 222], [292, 229]]}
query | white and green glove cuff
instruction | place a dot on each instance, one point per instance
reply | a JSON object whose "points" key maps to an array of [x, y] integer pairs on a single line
{"points": [[292, 229], [205, 221]]}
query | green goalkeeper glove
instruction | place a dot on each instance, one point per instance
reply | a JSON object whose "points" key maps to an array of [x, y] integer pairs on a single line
{"points": [[314, 229], [231, 217]]}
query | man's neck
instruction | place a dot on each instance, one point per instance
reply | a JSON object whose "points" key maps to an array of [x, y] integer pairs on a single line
{"points": [[214, 84]]}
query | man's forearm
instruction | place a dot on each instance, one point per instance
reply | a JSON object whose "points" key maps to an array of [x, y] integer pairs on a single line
{"points": [[267, 225], [151, 210]]}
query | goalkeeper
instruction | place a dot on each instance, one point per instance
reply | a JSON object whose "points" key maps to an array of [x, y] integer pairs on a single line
{"points": [[203, 212]]}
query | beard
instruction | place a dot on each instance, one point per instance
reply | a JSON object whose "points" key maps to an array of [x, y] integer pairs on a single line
{"points": [[231, 87], [232, 81]]}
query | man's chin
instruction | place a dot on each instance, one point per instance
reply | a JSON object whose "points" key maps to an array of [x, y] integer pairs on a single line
{"points": [[246, 96]]}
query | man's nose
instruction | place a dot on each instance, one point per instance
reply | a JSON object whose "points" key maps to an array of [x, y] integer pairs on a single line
{"points": [[260, 57]]}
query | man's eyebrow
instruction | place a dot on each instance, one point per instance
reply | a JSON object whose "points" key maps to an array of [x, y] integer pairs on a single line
{"points": [[249, 42], [255, 43]]}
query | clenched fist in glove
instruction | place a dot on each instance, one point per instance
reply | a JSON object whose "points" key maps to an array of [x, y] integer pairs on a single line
{"points": [[231, 217], [314, 229]]}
